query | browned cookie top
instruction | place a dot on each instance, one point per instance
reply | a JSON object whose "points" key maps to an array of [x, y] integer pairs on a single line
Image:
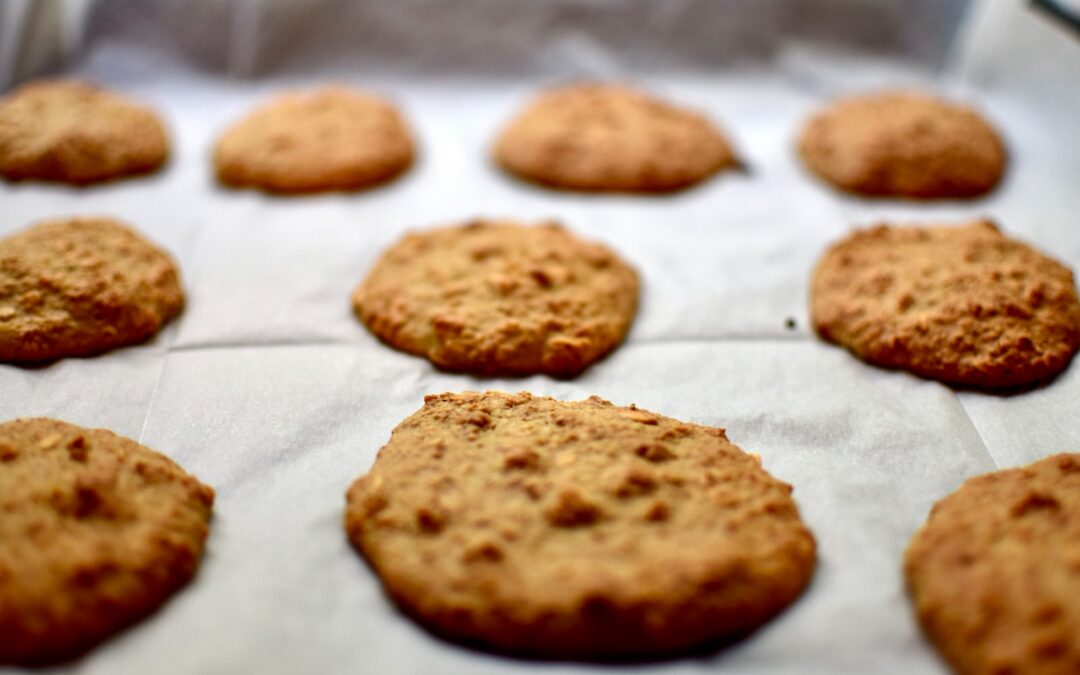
{"points": [[903, 144], [79, 286], [96, 531], [576, 529], [76, 133], [611, 138], [964, 305], [334, 138], [495, 297], [995, 571]]}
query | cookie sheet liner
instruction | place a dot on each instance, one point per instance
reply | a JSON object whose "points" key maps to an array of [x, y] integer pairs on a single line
{"points": [[268, 389]]}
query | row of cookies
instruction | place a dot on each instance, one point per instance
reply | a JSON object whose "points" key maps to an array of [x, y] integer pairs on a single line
{"points": [[540, 527], [591, 137], [964, 304]]}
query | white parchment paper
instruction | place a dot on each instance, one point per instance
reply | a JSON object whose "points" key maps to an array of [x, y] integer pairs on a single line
{"points": [[269, 390]]}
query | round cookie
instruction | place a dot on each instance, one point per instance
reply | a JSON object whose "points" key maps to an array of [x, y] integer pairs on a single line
{"points": [[96, 532], [79, 286], [903, 144], [964, 305], [332, 138], [611, 138], [576, 529], [497, 298], [995, 571], [73, 132]]}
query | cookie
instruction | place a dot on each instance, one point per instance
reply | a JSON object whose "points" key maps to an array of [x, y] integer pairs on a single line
{"points": [[576, 529], [73, 132], [96, 532], [903, 144], [79, 286], [995, 571], [498, 298], [964, 305], [332, 138], [601, 138]]}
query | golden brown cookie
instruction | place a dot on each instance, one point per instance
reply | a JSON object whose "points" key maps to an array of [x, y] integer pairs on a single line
{"points": [[96, 532], [903, 144], [611, 138], [576, 529], [80, 286], [964, 305], [494, 297], [332, 138], [73, 132], [995, 571]]}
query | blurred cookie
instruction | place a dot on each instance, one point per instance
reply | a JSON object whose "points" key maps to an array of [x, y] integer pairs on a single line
{"points": [[80, 286], [964, 305], [495, 297], [611, 138], [903, 144], [995, 571], [73, 132], [334, 138], [576, 529], [96, 532]]}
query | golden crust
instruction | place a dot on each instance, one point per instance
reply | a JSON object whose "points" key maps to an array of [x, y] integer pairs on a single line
{"points": [[611, 138], [80, 286], [96, 532], [995, 571], [73, 132], [334, 138], [576, 529], [903, 144], [964, 305], [494, 297]]}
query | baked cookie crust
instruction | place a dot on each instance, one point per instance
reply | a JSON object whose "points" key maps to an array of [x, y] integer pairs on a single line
{"points": [[995, 571], [499, 298], [77, 133], [576, 529], [964, 305], [96, 532]]}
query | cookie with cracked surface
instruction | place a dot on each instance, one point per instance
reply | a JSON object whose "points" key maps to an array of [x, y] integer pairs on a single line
{"points": [[80, 286], [498, 298], [96, 532], [903, 144], [576, 529], [609, 138], [964, 305], [334, 138], [74, 132], [995, 571]]}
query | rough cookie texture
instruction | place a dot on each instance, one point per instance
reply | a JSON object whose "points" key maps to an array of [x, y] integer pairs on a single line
{"points": [[611, 138], [80, 286], [903, 144], [73, 132], [493, 297], [333, 138], [576, 529], [96, 531], [964, 305], [995, 571]]}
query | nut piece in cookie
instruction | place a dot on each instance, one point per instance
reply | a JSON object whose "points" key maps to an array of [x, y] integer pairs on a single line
{"points": [[609, 138], [995, 571], [96, 532], [73, 132], [576, 529], [498, 298], [80, 286], [964, 305], [334, 138]]}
